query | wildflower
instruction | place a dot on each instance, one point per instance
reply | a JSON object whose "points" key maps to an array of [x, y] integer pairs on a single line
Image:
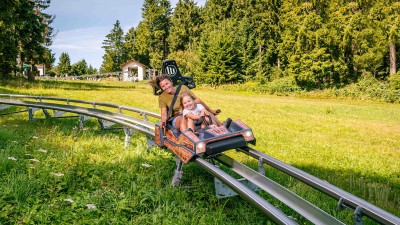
{"points": [[15, 141], [74, 128], [42, 150], [68, 200], [27, 154], [35, 160], [84, 129], [12, 158], [32, 167], [59, 174], [146, 165], [34, 137], [91, 206]]}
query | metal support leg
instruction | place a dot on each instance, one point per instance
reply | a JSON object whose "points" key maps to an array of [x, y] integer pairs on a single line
{"points": [[58, 113], [31, 110], [128, 132], [178, 172], [105, 125], [46, 113], [358, 216], [4, 106], [151, 142], [261, 169], [223, 191], [340, 205], [82, 119]]}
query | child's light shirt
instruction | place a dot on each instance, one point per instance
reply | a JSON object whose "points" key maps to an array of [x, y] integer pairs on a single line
{"points": [[196, 111]]}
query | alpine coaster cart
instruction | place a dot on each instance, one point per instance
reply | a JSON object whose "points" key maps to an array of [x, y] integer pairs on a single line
{"points": [[211, 140]]}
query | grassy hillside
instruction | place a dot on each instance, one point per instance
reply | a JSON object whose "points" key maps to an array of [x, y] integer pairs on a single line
{"points": [[354, 145]]}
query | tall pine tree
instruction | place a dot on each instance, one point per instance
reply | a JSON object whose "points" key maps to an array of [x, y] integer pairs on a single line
{"points": [[114, 51], [153, 31], [64, 64], [25, 32], [185, 26]]}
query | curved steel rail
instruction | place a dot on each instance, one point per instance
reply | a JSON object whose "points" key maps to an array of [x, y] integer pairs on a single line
{"points": [[346, 199], [275, 214], [119, 118], [144, 126], [92, 103]]}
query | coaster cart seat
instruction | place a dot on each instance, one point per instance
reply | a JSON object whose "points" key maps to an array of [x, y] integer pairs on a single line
{"points": [[211, 140]]}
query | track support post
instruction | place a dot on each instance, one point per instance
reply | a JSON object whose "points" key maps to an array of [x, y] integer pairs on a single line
{"points": [[358, 216], [31, 110], [128, 132], [46, 113], [261, 169], [178, 172], [151, 142], [223, 191], [82, 119]]}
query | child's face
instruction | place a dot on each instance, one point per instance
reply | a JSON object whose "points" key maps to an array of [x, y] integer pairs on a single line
{"points": [[188, 103]]}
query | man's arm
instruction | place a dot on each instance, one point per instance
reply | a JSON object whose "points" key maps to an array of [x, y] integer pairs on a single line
{"points": [[164, 113], [199, 101]]}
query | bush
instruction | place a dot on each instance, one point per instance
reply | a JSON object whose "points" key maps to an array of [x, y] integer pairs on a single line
{"points": [[51, 73], [281, 86], [395, 81], [368, 88]]}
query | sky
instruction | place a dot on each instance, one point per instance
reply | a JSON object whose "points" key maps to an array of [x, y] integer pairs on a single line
{"points": [[82, 25]]}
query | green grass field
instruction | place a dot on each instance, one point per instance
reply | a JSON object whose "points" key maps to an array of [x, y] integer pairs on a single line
{"points": [[354, 145]]}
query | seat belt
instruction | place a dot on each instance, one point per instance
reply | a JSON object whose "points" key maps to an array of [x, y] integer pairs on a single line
{"points": [[173, 102]]}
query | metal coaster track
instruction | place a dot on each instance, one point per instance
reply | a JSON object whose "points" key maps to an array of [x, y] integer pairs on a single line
{"points": [[298, 204]]}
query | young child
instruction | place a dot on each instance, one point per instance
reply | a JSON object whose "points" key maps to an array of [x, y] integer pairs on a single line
{"points": [[194, 112]]}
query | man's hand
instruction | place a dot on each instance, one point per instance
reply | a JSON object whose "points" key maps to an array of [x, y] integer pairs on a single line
{"points": [[163, 124], [215, 112]]}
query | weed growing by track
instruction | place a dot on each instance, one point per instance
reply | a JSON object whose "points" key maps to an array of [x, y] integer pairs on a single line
{"points": [[353, 145]]}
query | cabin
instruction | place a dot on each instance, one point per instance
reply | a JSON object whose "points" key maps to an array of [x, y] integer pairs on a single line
{"points": [[41, 69], [133, 71]]}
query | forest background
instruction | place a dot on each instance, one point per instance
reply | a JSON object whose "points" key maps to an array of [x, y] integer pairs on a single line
{"points": [[311, 44], [275, 46]]}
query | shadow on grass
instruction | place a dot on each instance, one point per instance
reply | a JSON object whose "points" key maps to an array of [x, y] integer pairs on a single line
{"points": [[131, 184]]}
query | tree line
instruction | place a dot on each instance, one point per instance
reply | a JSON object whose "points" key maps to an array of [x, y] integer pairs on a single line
{"points": [[25, 35], [64, 67], [315, 43]]}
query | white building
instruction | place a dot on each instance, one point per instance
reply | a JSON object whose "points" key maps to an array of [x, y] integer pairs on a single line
{"points": [[41, 69], [133, 71]]}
